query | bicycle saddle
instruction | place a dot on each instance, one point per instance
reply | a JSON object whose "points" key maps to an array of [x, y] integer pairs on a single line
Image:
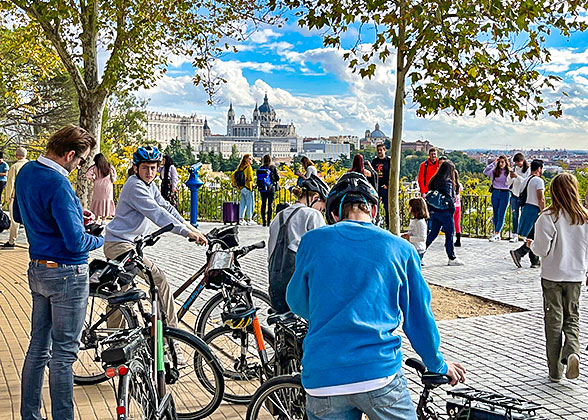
{"points": [[280, 318], [427, 378], [132, 295]]}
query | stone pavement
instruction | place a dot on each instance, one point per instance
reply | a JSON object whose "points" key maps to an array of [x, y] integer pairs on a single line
{"points": [[503, 353]]}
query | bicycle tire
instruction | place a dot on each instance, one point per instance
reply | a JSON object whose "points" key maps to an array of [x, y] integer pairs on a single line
{"points": [[209, 316], [87, 369], [225, 342], [197, 392], [135, 393], [281, 397]]}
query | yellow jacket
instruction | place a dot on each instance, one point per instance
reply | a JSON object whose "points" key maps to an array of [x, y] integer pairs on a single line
{"points": [[248, 171], [11, 178]]}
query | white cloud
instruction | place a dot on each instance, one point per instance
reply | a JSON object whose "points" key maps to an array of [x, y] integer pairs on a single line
{"points": [[263, 35]]}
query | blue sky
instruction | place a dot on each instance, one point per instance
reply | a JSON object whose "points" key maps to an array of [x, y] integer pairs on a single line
{"points": [[312, 86]]}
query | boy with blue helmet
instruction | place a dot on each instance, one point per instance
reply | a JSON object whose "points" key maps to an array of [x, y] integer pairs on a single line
{"points": [[356, 284], [140, 204]]}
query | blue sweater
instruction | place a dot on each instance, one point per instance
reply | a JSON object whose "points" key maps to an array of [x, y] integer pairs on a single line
{"points": [[355, 283], [46, 203]]}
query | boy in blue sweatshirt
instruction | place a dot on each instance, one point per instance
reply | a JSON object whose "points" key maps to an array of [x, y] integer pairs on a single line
{"points": [[356, 283], [46, 204]]}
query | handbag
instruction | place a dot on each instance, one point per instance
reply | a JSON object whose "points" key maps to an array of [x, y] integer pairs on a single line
{"points": [[4, 221]]}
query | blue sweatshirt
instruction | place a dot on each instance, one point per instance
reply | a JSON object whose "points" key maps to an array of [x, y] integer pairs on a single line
{"points": [[355, 283], [46, 203]]}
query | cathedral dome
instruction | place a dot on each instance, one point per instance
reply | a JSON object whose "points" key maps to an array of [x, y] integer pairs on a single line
{"points": [[378, 134], [266, 108]]}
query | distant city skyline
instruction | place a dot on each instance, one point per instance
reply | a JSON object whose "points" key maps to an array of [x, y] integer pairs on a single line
{"points": [[313, 87]]}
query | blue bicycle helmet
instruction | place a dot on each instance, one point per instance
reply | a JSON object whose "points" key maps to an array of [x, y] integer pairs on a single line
{"points": [[147, 154]]}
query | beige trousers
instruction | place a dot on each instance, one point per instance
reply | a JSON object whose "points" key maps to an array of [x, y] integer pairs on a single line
{"points": [[114, 249], [13, 225]]}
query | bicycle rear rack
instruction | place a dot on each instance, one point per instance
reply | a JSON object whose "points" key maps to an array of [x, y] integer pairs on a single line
{"points": [[492, 401]]}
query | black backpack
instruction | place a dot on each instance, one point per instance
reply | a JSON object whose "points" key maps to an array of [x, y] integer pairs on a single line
{"points": [[264, 182], [240, 178], [4, 221], [523, 193]]}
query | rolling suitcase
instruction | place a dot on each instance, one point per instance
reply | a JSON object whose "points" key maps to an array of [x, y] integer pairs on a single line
{"points": [[230, 213]]}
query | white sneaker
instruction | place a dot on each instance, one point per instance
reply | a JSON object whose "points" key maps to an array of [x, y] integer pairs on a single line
{"points": [[455, 262], [515, 238], [494, 237], [251, 223], [573, 366]]}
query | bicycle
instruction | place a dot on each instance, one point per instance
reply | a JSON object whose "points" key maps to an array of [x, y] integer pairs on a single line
{"points": [[283, 396], [243, 347], [192, 370], [209, 316]]}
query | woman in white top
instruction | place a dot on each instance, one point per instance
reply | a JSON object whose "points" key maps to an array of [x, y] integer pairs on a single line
{"points": [[285, 232], [561, 240], [417, 227], [518, 174], [309, 167]]}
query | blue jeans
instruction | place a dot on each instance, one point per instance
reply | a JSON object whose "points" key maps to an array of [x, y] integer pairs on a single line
{"points": [[246, 204], [515, 206], [60, 298], [499, 200], [442, 221], [391, 402]]}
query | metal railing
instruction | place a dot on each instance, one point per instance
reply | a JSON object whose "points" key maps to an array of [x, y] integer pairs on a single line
{"points": [[476, 210]]}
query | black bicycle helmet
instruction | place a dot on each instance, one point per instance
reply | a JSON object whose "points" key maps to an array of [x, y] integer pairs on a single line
{"points": [[352, 187], [239, 316], [147, 154], [317, 185]]}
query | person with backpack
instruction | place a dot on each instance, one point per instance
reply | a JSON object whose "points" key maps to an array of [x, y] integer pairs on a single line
{"points": [[242, 179], [267, 180], [532, 200], [285, 232], [440, 199], [427, 169]]}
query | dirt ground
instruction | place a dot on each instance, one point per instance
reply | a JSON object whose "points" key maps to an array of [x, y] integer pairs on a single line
{"points": [[451, 304]]}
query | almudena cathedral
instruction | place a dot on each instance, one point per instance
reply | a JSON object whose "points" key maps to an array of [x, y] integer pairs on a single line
{"points": [[263, 134]]}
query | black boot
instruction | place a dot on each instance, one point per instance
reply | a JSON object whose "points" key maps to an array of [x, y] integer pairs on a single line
{"points": [[518, 254], [458, 239], [535, 261]]}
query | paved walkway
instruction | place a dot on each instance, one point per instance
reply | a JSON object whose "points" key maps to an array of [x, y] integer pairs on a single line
{"points": [[503, 353]]}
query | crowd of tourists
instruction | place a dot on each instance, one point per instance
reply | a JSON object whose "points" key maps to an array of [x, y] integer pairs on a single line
{"points": [[318, 263]]}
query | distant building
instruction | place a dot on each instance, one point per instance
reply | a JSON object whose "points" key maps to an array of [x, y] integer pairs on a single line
{"points": [[352, 140], [224, 146], [372, 138], [163, 128], [264, 126], [278, 150], [417, 146], [324, 150]]}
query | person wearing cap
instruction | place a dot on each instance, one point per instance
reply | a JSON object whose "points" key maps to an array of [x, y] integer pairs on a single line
{"points": [[140, 204], [46, 204], [355, 295]]}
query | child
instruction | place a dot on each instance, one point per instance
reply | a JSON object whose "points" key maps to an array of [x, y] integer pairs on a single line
{"points": [[417, 228]]}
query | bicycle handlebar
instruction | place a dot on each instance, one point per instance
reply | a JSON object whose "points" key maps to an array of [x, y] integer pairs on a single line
{"points": [[240, 252]]}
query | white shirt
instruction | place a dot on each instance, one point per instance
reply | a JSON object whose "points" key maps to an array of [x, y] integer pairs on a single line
{"points": [[304, 220], [53, 165], [535, 184], [354, 388], [515, 183], [311, 170], [417, 232], [563, 248]]}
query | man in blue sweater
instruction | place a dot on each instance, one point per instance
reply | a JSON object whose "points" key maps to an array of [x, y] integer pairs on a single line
{"points": [[46, 204], [356, 283]]}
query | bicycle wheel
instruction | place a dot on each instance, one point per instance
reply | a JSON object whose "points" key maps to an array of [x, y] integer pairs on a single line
{"points": [[136, 393], [241, 367], [193, 375], [209, 316], [88, 370], [282, 397]]}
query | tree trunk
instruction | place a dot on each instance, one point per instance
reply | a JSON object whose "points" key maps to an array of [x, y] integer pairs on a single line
{"points": [[91, 110], [396, 145]]}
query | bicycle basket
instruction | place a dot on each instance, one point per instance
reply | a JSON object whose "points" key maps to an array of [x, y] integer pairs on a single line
{"points": [[228, 235], [218, 262]]}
